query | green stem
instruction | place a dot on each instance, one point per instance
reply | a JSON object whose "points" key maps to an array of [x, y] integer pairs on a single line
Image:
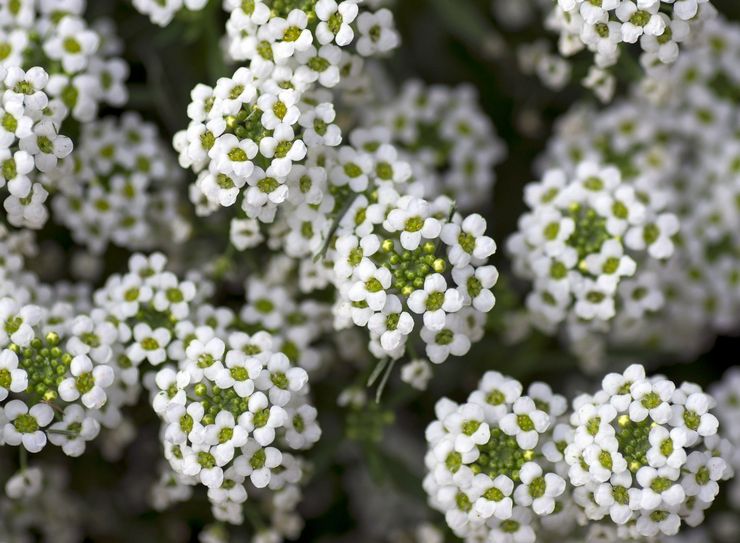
{"points": [[379, 367], [384, 381]]}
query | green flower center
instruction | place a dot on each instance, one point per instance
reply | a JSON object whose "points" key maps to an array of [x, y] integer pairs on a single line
{"points": [[26, 424], [85, 382]]}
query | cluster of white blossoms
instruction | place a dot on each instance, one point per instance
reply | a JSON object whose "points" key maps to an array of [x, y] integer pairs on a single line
{"points": [[446, 137], [232, 414], [232, 409], [271, 33], [584, 235], [403, 264], [726, 394], [673, 139], [645, 453], [603, 26], [119, 186], [82, 60], [56, 377], [353, 216], [53, 66], [246, 138], [252, 135], [51, 392], [489, 461], [641, 457], [30, 144]]}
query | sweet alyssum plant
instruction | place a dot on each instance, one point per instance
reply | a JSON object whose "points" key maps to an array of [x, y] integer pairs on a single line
{"points": [[331, 228]]}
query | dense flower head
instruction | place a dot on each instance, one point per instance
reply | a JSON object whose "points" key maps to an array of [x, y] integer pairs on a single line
{"points": [[672, 139], [403, 264], [119, 187], [645, 453], [231, 415], [247, 136], [586, 234], [50, 391], [727, 395], [85, 70], [30, 144], [488, 469], [606, 27]]}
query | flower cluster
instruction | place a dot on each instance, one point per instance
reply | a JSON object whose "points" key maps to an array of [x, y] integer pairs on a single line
{"points": [[52, 388], [489, 460], [247, 136], [275, 33], [403, 257], [30, 143], [582, 238], [270, 33], [645, 453], [119, 186], [673, 139], [442, 132], [352, 215], [602, 27], [727, 395], [232, 408], [232, 414], [83, 61]]}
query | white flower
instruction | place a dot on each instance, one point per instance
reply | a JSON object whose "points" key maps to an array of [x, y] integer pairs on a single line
{"points": [[667, 447], [651, 399], [495, 500], [262, 419], [495, 393], [371, 285], [17, 321], [73, 430], [336, 19], [377, 33], [417, 373], [476, 285], [12, 378], [25, 425], [149, 344], [283, 148], [701, 473], [224, 435], [468, 428], [321, 65], [280, 379], [435, 301], [538, 490], [257, 463], [467, 241], [392, 324], [445, 342], [618, 496], [659, 487], [72, 43], [87, 382], [526, 423], [410, 217]]}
